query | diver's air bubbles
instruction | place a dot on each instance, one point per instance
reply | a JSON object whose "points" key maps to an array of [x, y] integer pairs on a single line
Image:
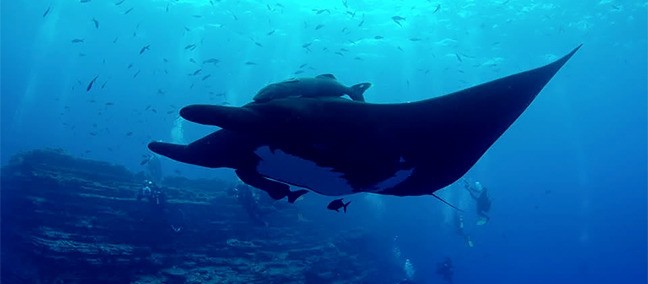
{"points": [[177, 132], [409, 269]]}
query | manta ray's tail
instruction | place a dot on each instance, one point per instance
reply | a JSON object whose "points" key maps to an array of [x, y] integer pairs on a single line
{"points": [[356, 92]]}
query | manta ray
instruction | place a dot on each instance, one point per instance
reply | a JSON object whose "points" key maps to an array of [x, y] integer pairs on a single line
{"points": [[336, 146]]}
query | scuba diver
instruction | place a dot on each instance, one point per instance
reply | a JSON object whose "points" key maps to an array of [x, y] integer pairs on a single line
{"points": [[480, 194], [159, 213], [445, 269], [153, 193]]}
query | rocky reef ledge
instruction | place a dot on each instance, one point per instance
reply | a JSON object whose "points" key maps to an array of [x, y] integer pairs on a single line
{"points": [[71, 220]]}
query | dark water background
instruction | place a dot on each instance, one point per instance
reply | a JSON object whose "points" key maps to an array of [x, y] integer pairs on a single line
{"points": [[568, 179]]}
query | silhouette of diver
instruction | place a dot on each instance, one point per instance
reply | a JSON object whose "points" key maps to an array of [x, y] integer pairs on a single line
{"points": [[445, 269], [153, 193], [159, 214], [480, 194]]}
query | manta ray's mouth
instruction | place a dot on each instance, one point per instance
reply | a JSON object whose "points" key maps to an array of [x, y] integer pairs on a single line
{"points": [[296, 171]]}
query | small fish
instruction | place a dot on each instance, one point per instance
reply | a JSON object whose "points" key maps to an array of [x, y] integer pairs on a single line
{"points": [[339, 53], [205, 77], [438, 7], [306, 45], [212, 61], [319, 27], [378, 37], [130, 66], [193, 61], [397, 20], [137, 73], [119, 2], [91, 83], [104, 84], [458, 57], [250, 63], [298, 72], [47, 11], [270, 32], [361, 23], [303, 65], [84, 1], [415, 39], [258, 44], [144, 48], [115, 40], [190, 47], [128, 11], [77, 40], [196, 72], [322, 11], [335, 205], [96, 23], [160, 92]]}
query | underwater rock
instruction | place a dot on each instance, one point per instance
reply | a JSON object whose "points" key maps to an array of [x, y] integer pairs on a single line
{"points": [[71, 220]]}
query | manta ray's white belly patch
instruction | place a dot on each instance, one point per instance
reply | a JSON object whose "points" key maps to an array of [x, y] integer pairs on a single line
{"points": [[300, 172]]}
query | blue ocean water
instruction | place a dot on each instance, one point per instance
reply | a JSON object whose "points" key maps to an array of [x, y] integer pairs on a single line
{"points": [[567, 180]]}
